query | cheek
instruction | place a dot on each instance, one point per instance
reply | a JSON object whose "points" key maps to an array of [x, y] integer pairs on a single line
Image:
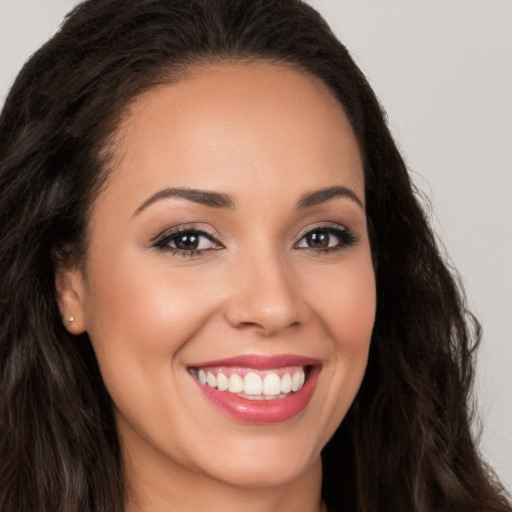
{"points": [[346, 303], [346, 310], [357, 304], [145, 306], [353, 325], [139, 316]]}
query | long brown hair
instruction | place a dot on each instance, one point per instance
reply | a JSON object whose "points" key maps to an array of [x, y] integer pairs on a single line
{"points": [[406, 442]]}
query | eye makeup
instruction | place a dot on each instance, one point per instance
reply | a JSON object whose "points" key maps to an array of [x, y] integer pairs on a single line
{"points": [[326, 238], [189, 241]]}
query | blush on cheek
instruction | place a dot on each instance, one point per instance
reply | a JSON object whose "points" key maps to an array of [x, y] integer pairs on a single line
{"points": [[353, 316]]}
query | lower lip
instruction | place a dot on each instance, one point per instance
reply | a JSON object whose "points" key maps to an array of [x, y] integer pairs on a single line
{"points": [[262, 411]]}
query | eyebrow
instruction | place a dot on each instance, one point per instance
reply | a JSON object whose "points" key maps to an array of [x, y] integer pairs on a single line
{"points": [[321, 196], [204, 197], [220, 200]]}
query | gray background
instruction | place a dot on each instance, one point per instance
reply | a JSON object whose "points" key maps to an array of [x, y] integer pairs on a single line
{"points": [[443, 71]]}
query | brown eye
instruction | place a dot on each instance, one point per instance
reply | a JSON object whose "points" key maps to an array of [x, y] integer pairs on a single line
{"points": [[188, 241], [326, 238], [318, 240]]}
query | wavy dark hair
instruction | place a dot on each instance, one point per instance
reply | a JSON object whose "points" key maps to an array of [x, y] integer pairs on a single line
{"points": [[405, 444]]}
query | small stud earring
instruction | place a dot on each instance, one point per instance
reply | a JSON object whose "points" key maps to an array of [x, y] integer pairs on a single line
{"points": [[69, 320]]}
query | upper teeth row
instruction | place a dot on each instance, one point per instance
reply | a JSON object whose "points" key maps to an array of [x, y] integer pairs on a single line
{"points": [[253, 384]]}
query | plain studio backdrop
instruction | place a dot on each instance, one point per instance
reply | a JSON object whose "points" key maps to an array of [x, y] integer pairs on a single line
{"points": [[443, 71]]}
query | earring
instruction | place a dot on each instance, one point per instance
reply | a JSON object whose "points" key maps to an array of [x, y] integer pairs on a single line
{"points": [[69, 320]]}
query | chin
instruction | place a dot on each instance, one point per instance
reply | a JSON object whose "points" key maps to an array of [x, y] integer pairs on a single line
{"points": [[265, 462], [265, 474]]}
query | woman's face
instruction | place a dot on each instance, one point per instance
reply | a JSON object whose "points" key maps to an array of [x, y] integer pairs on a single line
{"points": [[230, 245]]}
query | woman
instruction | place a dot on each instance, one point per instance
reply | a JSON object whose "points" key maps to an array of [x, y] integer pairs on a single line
{"points": [[217, 277]]}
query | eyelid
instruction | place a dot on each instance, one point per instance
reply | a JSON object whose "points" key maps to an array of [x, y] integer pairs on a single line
{"points": [[167, 241], [346, 237], [185, 228], [322, 225]]}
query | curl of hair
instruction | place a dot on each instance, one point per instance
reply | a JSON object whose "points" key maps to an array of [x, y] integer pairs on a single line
{"points": [[406, 442]]}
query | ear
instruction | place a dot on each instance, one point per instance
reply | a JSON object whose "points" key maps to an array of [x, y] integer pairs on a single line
{"points": [[70, 288]]}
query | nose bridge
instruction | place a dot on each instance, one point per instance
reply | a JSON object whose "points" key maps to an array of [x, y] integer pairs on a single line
{"points": [[264, 291]]}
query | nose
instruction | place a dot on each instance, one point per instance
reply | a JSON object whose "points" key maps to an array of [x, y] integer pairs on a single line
{"points": [[264, 295]]}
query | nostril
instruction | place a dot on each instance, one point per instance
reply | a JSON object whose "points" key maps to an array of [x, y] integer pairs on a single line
{"points": [[266, 328]]}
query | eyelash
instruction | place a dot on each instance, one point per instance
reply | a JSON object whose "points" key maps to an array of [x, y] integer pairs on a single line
{"points": [[163, 242], [346, 239]]}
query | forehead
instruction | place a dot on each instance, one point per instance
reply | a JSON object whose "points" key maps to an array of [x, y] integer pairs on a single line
{"points": [[230, 125]]}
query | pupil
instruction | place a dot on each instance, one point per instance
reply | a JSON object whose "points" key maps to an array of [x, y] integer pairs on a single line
{"points": [[187, 242], [318, 240]]}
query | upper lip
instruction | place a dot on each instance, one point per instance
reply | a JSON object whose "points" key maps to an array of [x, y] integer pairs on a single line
{"points": [[259, 362]]}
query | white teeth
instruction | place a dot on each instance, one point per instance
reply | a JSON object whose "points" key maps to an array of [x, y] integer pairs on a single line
{"points": [[236, 384], [211, 380], [286, 383], [266, 384], [272, 384], [222, 382], [296, 381], [253, 384]]}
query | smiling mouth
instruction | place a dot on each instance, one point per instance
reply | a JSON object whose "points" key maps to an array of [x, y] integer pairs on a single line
{"points": [[258, 389], [252, 383]]}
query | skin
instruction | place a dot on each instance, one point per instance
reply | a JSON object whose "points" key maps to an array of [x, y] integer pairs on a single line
{"points": [[265, 135]]}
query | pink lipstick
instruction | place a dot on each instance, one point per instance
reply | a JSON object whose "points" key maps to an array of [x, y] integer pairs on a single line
{"points": [[258, 389]]}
